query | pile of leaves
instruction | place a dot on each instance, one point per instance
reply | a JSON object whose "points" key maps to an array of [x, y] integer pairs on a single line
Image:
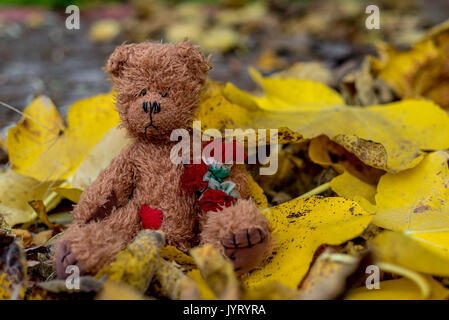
{"points": [[362, 185]]}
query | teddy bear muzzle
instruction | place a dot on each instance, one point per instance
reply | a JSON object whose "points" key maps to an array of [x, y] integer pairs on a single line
{"points": [[152, 108]]}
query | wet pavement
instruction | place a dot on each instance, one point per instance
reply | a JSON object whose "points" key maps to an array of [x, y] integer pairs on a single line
{"points": [[38, 55]]}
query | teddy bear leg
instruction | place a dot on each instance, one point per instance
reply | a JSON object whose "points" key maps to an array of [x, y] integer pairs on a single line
{"points": [[92, 246], [239, 232]]}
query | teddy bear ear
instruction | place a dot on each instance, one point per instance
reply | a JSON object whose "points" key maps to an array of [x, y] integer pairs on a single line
{"points": [[194, 57], [118, 59]]}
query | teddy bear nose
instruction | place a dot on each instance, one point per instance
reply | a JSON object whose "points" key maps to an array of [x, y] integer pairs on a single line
{"points": [[155, 107]]}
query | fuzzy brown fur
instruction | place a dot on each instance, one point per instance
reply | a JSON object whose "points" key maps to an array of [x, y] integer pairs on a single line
{"points": [[106, 218]]}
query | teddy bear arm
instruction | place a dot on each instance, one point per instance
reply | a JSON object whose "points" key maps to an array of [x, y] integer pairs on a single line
{"points": [[112, 189]]}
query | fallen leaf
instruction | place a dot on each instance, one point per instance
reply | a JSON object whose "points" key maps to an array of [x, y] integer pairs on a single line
{"points": [[217, 272], [328, 277], [25, 235], [361, 87], [399, 248], [112, 290], [13, 267], [420, 71], [99, 157], [136, 264], [17, 190], [315, 71], [169, 281], [272, 291], [203, 288], [385, 129], [104, 30], [41, 238], [414, 203], [268, 60], [348, 186], [300, 226], [326, 152], [416, 200], [73, 194], [39, 207], [171, 253], [399, 289], [287, 95], [42, 147]]}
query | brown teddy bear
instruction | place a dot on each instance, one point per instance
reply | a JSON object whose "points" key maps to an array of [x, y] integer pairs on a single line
{"points": [[158, 88]]}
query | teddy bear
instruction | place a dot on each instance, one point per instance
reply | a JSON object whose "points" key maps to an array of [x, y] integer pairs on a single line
{"points": [[158, 86]]}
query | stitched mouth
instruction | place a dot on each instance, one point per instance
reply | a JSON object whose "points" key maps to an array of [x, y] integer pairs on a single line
{"points": [[150, 125]]}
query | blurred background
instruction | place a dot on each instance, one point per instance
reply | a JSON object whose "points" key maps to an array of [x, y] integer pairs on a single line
{"points": [[39, 55]]}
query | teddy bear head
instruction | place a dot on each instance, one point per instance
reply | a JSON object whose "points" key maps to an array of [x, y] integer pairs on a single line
{"points": [[158, 86]]}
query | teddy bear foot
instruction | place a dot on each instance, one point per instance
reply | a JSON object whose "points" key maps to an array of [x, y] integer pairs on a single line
{"points": [[246, 248], [64, 258]]}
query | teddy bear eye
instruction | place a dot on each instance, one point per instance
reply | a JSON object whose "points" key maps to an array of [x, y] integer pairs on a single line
{"points": [[143, 92], [163, 95]]}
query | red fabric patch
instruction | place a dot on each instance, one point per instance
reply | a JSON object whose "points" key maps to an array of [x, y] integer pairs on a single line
{"points": [[192, 178], [151, 218], [215, 200]]}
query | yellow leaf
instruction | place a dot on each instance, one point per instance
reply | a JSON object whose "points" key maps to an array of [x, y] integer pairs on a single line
{"points": [[272, 291], [300, 226], [40, 146], [41, 210], [2, 143], [136, 264], [421, 71], [104, 30], [171, 253], [15, 193], [170, 281], [269, 60], [384, 129], [118, 291], [416, 203], [257, 193], [73, 194], [400, 67], [217, 272], [348, 186], [205, 291], [293, 94], [99, 158], [315, 71], [399, 248], [400, 289], [326, 152], [415, 200]]}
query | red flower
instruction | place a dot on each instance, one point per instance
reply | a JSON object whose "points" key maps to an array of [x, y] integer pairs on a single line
{"points": [[192, 178], [227, 157], [215, 200], [151, 218]]}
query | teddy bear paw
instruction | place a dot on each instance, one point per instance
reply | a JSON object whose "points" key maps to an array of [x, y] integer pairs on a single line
{"points": [[64, 258], [246, 248]]}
